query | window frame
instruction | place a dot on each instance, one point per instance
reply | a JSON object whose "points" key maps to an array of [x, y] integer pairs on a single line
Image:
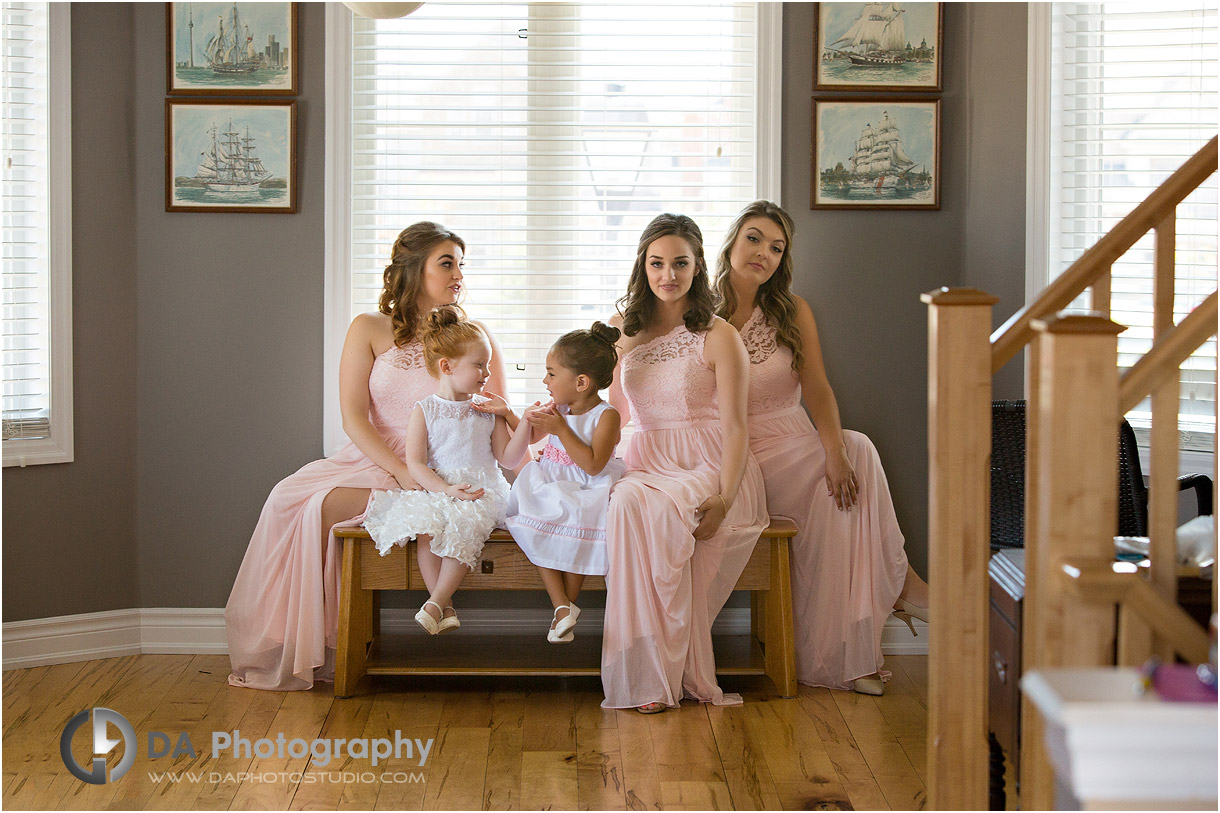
{"points": [[60, 446], [338, 172], [1042, 186]]}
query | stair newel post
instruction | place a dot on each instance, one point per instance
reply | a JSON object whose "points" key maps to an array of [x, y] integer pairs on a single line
{"points": [[959, 450], [1163, 468], [1075, 484]]}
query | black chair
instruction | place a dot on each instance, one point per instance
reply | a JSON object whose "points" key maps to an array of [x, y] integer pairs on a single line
{"points": [[1008, 480]]}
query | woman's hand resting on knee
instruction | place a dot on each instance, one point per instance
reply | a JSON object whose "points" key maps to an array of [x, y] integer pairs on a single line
{"points": [[841, 480]]}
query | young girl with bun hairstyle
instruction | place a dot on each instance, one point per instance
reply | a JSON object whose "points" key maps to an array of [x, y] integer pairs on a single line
{"points": [[452, 451], [557, 508]]}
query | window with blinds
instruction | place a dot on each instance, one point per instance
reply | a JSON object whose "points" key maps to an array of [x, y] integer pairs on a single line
{"points": [[1133, 96], [547, 135], [37, 418]]}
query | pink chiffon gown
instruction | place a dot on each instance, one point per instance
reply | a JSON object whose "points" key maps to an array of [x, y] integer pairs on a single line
{"points": [[282, 617], [847, 566], [664, 588]]}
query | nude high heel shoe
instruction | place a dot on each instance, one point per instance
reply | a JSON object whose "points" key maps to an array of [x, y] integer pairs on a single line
{"points": [[905, 610]]}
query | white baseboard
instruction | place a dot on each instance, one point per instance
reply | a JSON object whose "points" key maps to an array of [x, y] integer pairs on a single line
{"points": [[201, 631]]}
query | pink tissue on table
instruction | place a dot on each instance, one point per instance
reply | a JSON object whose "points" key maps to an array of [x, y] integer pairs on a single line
{"points": [[1180, 683]]}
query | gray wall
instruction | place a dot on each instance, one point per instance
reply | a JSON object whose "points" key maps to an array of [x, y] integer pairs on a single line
{"points": [[70, 528], [198, 337], [863, 271]]}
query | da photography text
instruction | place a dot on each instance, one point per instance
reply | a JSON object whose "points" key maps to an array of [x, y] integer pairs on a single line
{"points": [[160, 744]]}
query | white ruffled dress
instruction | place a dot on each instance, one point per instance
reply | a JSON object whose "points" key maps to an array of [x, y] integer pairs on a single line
{"points": [[459, 451], [557, 510]]}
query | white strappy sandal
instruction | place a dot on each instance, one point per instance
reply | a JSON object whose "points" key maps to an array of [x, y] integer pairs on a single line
{"points": [[562, 632]]}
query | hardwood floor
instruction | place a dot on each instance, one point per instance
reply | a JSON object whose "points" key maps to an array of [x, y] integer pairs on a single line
{"points": [[499, 744]]}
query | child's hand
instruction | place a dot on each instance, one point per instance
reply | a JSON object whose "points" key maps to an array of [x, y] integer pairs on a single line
{"points": [[532, 408], [547, 419], [495, 405], [464, 491]]}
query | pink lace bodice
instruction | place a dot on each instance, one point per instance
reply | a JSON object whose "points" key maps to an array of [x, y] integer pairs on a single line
{"points": [[399, 380], [667, 383], [774, 385]]}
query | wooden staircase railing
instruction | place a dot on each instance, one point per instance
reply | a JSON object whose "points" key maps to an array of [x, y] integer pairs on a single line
{"points": [[1076, 400]]}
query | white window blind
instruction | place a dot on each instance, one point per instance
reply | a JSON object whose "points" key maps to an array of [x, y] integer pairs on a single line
{"points": [[1133, 88], [37, 419], [548, 135]]}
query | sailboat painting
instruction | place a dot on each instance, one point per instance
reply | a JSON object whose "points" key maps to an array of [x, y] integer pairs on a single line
{"points": [[231, 48], [878, 46], [233, 156], [876, 154]]}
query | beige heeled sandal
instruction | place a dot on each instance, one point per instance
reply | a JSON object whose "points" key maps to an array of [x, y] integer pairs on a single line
{"points": [[874, 686], [905, 610]]}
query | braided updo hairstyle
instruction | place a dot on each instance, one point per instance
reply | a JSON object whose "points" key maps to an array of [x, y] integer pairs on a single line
{"points": [[447, 334], [404, 276], [591, 352]]}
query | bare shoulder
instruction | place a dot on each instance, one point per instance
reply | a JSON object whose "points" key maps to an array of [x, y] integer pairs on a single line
{"points": [[373, 329], [804, 313], [721, 331], [616, 321], [723, 340]]}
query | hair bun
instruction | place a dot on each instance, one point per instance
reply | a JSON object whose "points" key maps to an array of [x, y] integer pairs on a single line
{"points": [[605, 332], [444, 316]]}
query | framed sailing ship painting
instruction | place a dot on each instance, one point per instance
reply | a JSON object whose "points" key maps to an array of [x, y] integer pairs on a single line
{"points": [[876, 153], [237, 155], [231, 49], [877, 46]]}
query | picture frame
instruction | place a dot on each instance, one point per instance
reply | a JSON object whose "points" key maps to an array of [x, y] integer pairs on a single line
{"points": [[232, 155], [878, 46], [231, 49], [875, 153]]}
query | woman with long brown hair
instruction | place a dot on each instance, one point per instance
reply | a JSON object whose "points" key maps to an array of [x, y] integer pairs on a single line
{"points": [[849, 569], [684, 519], [282, 615]]}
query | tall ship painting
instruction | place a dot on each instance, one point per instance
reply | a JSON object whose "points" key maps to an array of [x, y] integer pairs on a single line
{"points": [[879, 167], [878, 45], [231, 48], [230, 164], [877, 37]]}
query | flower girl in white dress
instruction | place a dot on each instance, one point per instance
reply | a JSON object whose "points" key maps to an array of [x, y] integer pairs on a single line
{"points": [[451, 451], [557, 508]]}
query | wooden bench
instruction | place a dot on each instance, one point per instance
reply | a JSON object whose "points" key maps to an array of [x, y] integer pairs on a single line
{"points": [[769, 648]]}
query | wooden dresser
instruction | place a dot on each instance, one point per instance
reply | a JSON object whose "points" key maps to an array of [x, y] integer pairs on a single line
{"points": [[1007, 590]]}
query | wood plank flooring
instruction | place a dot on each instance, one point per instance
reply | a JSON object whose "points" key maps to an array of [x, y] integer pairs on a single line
{"points": [[499, 744]]}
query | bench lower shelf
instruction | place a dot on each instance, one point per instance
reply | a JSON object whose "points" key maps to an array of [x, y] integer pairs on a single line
{"points": [[528, 655]]}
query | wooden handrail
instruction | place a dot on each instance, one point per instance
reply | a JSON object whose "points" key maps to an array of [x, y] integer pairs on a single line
{"points": [[1097, 581], [1016, 332], [1167, 354]]}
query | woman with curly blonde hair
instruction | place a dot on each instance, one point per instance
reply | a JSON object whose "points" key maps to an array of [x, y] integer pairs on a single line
{"points": [[849, 569], [282, 615]]}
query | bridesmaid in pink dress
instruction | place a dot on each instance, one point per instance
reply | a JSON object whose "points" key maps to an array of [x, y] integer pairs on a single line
{"points": [[282, 616], [684, 519], [849, 569]]}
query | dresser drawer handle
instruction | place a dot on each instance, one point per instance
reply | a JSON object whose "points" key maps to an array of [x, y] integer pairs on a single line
{"points": [[1001, 668]]}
